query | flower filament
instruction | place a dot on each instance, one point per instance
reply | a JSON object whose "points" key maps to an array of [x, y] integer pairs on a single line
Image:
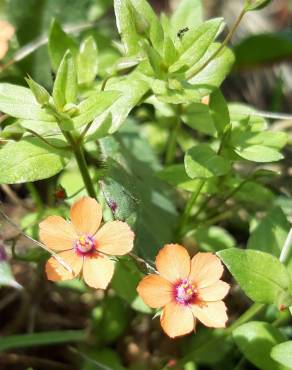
{"points": [[84, 245], [185, 292]]}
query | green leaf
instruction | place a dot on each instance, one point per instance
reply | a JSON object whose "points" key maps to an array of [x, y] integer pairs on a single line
{"points": [[282, 353], [219, 111], [255, 340], [198, 117], [93, 106], [195, 44], [243, 139], [189, 13], [255, 4], [215, 72], [65, 86], [87, 61], [19, 102], [267, 48], [131, 90], [126, 26], [260, 275], [202, 162], [271, 233], [39, 92], [30, 159], [41, 339], [259, 153], [59, 43]]}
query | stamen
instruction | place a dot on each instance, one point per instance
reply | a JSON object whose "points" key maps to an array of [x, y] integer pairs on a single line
{"points": [[84, 245], [185, 292]]}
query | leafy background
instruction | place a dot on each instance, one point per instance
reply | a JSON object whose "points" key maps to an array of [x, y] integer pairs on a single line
{"points": [[66, 325]]}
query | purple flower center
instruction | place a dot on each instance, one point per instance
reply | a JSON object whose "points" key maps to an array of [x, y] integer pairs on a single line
{"points": [[185, 292], [84, 245]]}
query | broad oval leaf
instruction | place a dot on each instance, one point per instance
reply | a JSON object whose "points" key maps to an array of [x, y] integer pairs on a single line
{"points": [[202, 162], [282, 353], [259, 153], [261, 276], [19, 102], [31, 159], [255, 340]]}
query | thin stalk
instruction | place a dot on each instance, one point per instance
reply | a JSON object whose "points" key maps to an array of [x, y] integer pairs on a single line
{"points": [[224, 43], [46, 141], [35, 195], [286, 250], [81, 162], [80, 159], [253, 310], [191, 202], [171, 146]]}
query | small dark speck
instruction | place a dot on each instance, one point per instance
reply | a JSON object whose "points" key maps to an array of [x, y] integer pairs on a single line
{"points": [[113, 205]]}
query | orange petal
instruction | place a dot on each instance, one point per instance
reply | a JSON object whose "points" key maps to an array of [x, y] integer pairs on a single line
{"points": [[206, 269], [115, 238], [214, 292], [155, 291], [86, 215], [211, 314], [173, 262], [98, 271], [56, 233], [177, 319], [57, 272]]}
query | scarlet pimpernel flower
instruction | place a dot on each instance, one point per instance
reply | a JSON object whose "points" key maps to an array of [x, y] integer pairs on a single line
{"points": [[187, 289], [83, 245]]}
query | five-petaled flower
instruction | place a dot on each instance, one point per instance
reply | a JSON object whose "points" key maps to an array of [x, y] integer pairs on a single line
{"points": [[83, 245], [187, 289]]}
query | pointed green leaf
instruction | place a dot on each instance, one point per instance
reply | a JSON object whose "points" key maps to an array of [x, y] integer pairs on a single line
{"points": [[65, 86], [255, 4], [39, 92], [87, 61]]}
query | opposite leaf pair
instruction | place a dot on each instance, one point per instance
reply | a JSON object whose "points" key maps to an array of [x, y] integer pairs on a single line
{"points": [[187, 289]]}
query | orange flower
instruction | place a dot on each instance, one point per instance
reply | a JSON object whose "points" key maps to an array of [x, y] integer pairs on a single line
{"points": [[83, 246], [6, 33], [186, 289]]}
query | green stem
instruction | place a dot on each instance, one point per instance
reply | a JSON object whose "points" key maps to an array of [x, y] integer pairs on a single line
{"points": [[253, 310], [81, 162], [191, 202], [80, 159], [171, 146], [35, 195], [224, 43]]}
